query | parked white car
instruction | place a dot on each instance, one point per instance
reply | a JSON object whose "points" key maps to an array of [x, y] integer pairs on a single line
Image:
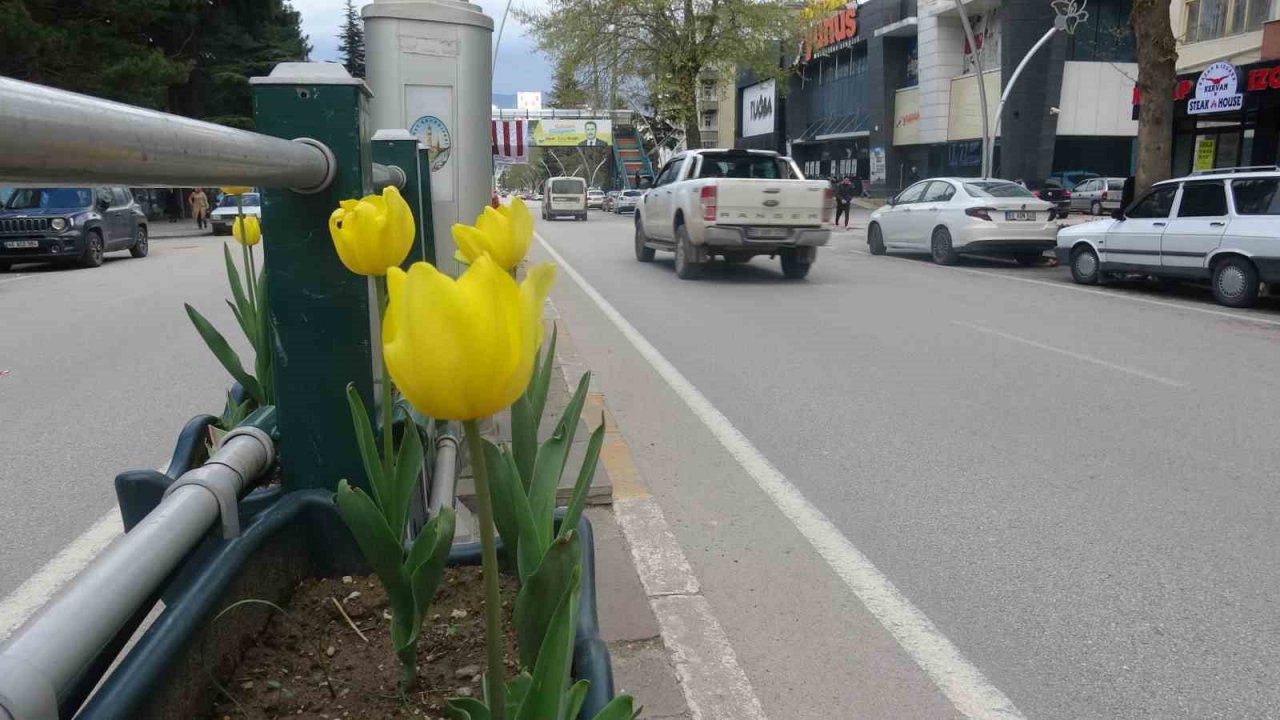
{"points": [[1097, 196], [223, 217], [627, 201], [736, 204], [1222, 226], [948, 217]]}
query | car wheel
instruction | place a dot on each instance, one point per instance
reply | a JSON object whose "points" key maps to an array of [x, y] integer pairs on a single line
{"points": [[686, 267], [1095, 208], [1085, 268], [875, 240], [1235, 282], [940, 248], [643, 253], [92, 256], [140, 245], [793, 267], [1029, 260]]}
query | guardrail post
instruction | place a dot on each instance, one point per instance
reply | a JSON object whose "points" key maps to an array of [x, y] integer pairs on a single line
{"points": [[400, 148], [424, 169], [321, 310]]}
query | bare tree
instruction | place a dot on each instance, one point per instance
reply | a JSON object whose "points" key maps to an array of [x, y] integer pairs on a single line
{"points": [[1157, 76]]}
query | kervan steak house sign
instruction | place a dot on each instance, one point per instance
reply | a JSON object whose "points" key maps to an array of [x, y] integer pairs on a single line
{"points": [[836, 31]]}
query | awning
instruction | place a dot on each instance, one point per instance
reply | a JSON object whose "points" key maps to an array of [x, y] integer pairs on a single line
{"points": [[836, 127]]}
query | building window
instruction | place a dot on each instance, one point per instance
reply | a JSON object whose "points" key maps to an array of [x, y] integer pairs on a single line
{"points": [[709, 120], [709, 143], [1212, 19], [708, 90], [1106, 37]]}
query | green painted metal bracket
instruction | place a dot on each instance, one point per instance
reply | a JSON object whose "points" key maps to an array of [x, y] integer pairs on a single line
{"points": [[429, 228]]}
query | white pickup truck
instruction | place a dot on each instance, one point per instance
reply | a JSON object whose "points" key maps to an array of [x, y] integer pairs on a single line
{"points": [[736, 204]]}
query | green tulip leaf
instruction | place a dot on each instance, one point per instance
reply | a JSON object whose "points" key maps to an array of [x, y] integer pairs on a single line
{"points": [[429, 556], [263, 343], [533, 541], [237, 292], [467, 709], [383, 551], [240, 319], [542, 379], [579, 499], [368, 445], [502, 498], [524, 438], [619, 708], [552, 457], [573, 703], [547, 698], [222, 351], [517, 691], [399, 485], [536, 603]]}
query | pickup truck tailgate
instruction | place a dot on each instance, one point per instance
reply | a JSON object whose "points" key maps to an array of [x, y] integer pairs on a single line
{"points": [[770, 202]]}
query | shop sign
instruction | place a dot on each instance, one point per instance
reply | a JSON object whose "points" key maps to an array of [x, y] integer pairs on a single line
{"points": [[834, 32], [877, 165], [1216, 91], [906, 117], [1205, 147], [757, 108]]}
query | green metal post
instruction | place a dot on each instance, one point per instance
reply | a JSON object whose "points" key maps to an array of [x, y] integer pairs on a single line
{"points": [[428, 228], [320, 309], [400, 148]]}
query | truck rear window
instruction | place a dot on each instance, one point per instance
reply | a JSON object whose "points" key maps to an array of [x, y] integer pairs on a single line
{"points": [[567, 187], [734, 165]]}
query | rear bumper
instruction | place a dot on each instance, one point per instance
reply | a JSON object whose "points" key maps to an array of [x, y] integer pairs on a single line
{"points": [[1016, 247], [729, 236], [982, 236]]}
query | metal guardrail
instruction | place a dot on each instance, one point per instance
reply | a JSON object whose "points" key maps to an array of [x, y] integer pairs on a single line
{"points": [[52, 137]]}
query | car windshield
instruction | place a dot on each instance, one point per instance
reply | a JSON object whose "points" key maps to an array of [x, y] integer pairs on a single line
{"points": [[633, 193], [46, 198], [566, 186], [739, 165], [250, 200], [991, 188]]}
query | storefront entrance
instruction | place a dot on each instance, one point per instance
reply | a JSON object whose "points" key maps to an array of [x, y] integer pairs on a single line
{"points": [[1227, 116]]}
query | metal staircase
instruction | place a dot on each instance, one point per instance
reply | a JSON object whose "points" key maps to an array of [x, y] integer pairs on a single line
{"points": [[629, 158]]}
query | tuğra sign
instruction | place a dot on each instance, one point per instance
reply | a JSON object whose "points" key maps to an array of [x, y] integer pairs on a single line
{"points": [[757, 108], [1216, 90]]}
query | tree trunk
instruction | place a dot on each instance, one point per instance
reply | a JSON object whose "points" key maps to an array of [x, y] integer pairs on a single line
{"points": [[689, 99], [1157, 75]]}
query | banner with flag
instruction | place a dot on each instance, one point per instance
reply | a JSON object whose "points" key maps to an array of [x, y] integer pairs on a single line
{"points": [[510, 140]]}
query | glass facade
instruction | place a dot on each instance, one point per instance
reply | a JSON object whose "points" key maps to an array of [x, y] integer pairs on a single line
{"points": [[1105, 37]]}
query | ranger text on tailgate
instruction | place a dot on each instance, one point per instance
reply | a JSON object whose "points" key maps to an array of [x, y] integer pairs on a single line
{"points": [[736, 204]]}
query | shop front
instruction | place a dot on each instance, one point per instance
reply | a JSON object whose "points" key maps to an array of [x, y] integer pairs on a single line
{"points": [[1227, 116]]}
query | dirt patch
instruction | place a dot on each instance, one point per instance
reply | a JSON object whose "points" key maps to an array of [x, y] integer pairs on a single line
{"points": [[319, 667]]}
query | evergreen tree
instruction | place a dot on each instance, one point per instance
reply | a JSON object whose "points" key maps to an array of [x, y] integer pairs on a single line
{"points": [[351, 42], [566, 91]]}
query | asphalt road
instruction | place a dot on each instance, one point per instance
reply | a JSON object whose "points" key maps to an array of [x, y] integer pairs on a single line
{"points": [[1075, 485], [99, 370]]}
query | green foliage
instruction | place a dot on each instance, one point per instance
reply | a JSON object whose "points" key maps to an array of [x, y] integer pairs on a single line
{"points": [[253, 317], [377, 523], [351, 41], [191, 58], [566, 92]]}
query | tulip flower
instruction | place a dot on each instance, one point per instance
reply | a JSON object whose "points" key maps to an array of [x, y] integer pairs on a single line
{"points": [[463, 349], [373, 233], [247, 230], [236, 189], [504, 235]]}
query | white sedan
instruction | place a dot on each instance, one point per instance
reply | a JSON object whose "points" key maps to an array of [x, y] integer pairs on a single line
{"points": [[947, 217], [224, 215]]}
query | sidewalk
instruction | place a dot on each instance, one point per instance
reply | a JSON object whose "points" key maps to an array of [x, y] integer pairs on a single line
{"points": [[162, 229]]}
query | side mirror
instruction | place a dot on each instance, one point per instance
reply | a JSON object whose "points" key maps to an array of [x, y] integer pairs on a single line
{"points": [[891, 200], [645, 183], [1117, 214], [103, 203]]}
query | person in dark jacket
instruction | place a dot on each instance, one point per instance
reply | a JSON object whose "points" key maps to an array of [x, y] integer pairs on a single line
{"points": [[844, 198]]}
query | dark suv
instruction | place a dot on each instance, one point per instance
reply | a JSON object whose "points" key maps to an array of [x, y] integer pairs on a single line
{"points": [[70, 225]]}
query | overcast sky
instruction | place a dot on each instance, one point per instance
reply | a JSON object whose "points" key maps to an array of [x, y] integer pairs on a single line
{"points": [[518, 67]]}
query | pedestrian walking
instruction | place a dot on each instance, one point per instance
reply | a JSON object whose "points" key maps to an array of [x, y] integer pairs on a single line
{"points": [[844, 198], [173, 206], [199, 207]]}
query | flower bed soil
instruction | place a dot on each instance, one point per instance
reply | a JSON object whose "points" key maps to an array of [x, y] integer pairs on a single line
{"points": [[319, 667]]}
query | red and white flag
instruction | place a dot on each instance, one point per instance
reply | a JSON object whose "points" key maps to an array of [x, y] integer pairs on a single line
{"points": [[510, 140]]}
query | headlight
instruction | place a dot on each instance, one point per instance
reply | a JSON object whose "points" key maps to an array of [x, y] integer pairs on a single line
{"points": [[58, 224]]}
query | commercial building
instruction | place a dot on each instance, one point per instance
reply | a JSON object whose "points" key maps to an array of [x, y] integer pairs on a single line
{"points": [[888, 89]]}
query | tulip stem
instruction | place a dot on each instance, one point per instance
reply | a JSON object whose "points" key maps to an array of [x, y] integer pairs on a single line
{"points": [[489, 563], [247, 253], [388, 446]]}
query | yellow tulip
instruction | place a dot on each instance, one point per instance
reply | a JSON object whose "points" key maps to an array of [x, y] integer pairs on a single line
{"points": [[502, 235], [236, 189], [373, 233], [463, 349], [247, 230]]}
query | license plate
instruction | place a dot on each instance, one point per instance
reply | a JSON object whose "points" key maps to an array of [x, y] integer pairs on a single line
{"points": [[766, 232], [1019, 215], [15, 244]]}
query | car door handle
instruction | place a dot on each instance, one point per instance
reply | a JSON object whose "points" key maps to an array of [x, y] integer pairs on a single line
{"points": [[1217, 224], [1158, 224]]}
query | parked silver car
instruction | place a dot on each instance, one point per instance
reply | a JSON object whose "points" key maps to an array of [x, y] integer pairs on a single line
{"points": [[1097, 195]]}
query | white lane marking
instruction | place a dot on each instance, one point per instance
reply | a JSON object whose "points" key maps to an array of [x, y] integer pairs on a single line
{"points": [[715, 688], [962, 683], [1091, 291], [660, 562], [1071, 354], [32, 594]]}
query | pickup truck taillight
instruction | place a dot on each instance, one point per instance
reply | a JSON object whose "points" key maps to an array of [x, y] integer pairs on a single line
{"points": [[707, 198], [828, 204]]}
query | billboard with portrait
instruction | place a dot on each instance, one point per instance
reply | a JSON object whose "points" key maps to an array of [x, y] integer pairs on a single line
{"points": [[570, 133]]}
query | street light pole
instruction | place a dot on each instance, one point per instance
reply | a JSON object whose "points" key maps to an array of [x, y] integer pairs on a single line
{"points": [[982, 88]]}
